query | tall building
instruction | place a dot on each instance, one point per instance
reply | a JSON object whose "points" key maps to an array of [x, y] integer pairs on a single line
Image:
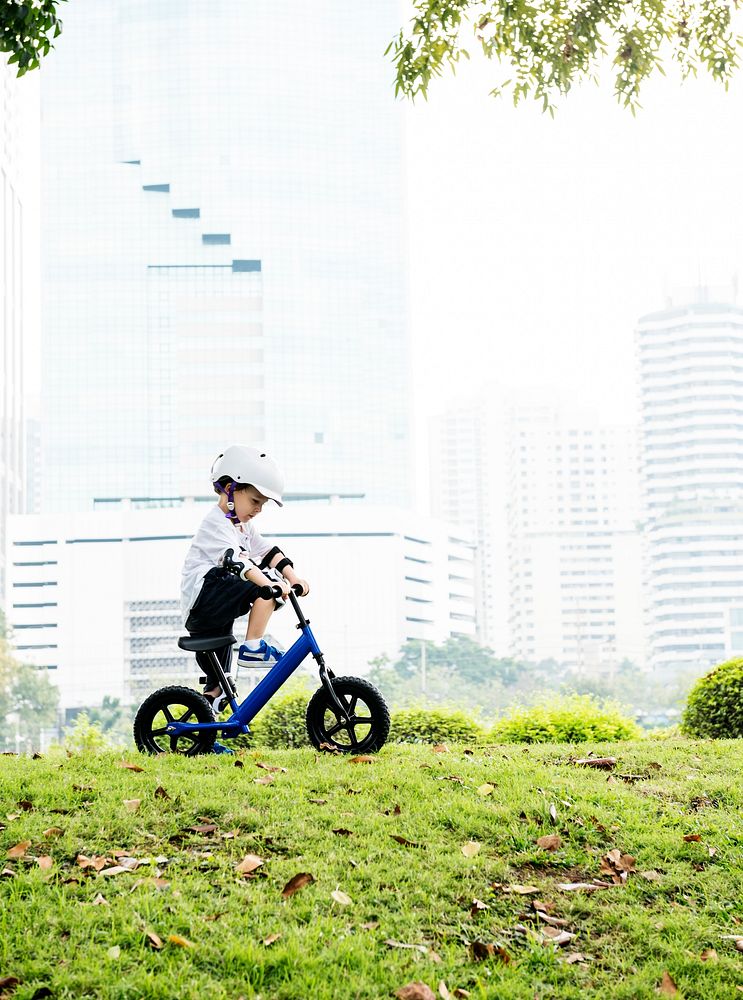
{"points": [[13, 194], [223, 252], [551, 498], [467, 476], [691, 380], [574, 540]]}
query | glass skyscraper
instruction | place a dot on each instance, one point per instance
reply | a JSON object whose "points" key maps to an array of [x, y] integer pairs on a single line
{"points": [[223, 259], [11, 309]]}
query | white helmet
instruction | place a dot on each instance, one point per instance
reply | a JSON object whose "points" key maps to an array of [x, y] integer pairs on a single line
{"points": [[245, 465]]}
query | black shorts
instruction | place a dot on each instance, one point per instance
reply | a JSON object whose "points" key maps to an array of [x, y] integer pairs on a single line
{"points": [[222, 599]]}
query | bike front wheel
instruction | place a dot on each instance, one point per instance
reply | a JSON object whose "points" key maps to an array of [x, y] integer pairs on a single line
{"points": [[173, 704], [364, 728]]}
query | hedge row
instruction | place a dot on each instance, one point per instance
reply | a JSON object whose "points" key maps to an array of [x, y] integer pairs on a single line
{"points": [[573, 719]]}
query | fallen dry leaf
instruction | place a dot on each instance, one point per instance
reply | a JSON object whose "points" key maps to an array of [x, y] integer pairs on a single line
{"points": [[267, 779], [667, 986], [44, 862], [181, 942], [486, 789], [249, 864], [271, 939], [100, 900], [522, 890], [238, 763], [553, 814], [160, 793], [477, 907], [554, 935], [550, 842], [341, 898], [461, 994], [114, 952], [132, 804], [415, 991], [736, 939], [270, 767], [443, 991], [404, 840], [26, 804], [422, 948], [709, 955], [19, 850], [8, 984], [371, 925], [318, 802], [363, 758], [575, 956], [299, 881], [204, 828], [114, 870], [53, 831], [583, 886], [602, 763], [651, 875], [482, 951], [470, 849], [441, 748], [153, 940], [692, 837], [342, 832], [618, 866], [130, 767]]}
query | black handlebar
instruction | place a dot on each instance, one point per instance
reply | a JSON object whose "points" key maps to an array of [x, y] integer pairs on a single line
{"points": [[266, 592]]}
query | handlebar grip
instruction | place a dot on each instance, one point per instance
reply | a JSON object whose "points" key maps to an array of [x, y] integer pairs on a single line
{"points": [[268, 592], [298, 589]]}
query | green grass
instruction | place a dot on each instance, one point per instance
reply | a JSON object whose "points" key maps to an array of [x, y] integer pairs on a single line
{"points": [[53, 934]]}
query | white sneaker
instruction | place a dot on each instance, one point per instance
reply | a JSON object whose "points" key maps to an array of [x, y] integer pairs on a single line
{"points": [[264, 656]]}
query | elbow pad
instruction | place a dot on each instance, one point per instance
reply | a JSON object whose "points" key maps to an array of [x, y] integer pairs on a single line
{"points": [[266, 560]]}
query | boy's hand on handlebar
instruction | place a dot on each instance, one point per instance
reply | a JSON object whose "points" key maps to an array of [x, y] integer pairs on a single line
{"points": [[301, 587]]}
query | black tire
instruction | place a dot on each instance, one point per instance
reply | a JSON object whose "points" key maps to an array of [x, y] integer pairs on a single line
{"points": [[173, 704], [367, 734]]}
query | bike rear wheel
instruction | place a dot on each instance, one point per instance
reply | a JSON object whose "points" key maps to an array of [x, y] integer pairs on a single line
{"points": [[173, 704], [367, 723]]}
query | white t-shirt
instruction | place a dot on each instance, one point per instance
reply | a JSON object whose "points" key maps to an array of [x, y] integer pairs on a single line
{"points": [[217, 534]]}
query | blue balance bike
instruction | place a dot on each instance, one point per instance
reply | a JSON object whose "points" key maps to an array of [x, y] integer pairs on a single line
{"points": [[346, 714]]}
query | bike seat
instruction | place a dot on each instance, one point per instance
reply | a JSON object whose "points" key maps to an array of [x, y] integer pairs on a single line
{"points": [[199, 644]]}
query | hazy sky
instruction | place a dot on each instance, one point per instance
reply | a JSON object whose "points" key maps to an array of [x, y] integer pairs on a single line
{"points": [[535, 243]]}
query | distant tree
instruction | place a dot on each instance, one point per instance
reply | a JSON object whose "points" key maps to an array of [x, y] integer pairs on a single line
{"points": [[108, 715], [547, 47], [459, 657], [25, 692]]}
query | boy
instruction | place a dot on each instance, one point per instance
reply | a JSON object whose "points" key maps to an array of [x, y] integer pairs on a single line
{"points": [[211, 598]]}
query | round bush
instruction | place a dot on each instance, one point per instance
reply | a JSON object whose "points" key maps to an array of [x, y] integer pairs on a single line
{"points": [[420, 725], [573, 719], [714, 708]]}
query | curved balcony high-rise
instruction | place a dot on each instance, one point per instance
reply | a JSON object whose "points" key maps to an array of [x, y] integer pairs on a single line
{"points": [[691, 381]]}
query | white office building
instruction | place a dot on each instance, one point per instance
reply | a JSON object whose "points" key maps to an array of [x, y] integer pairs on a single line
{"points": [[552, 499], [691, 378], [222, 248], [574, 540], [18, 99], [95, 596]]}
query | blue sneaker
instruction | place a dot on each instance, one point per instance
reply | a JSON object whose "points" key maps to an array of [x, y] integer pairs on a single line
{"points": [[221, 748], [264, 656]]}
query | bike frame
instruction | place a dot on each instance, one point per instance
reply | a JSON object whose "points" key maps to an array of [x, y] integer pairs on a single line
{"points": [[262, 693]]}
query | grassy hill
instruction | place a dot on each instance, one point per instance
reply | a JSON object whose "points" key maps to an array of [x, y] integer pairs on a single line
{"points": [[426, 866]]}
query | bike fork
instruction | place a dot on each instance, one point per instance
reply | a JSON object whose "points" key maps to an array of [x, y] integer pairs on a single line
{"points": [[327, 676]]}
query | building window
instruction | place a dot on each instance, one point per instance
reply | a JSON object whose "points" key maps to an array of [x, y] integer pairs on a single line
{"points": [[216, 239]]}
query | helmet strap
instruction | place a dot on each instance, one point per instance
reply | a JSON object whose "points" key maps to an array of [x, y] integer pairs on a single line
{"points": [[230, 494]]}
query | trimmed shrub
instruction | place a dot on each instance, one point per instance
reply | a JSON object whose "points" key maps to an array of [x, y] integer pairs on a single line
{"points": [[281, 723], [571, 719], [714, 708], [420, 725]]}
